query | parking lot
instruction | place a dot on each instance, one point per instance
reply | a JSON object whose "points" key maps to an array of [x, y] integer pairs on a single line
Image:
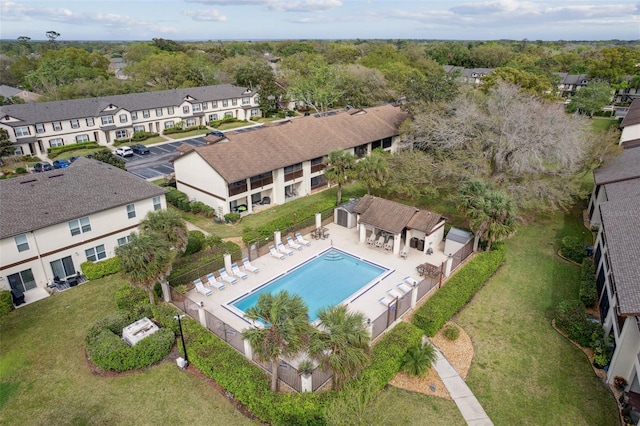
{"points": [[157, 163]]}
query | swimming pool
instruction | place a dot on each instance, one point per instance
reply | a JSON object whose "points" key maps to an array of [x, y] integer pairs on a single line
{"points": [[325, 280]]}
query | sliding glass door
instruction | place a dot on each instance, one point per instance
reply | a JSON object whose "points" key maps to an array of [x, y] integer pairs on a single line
{"points": [[63, 268]]}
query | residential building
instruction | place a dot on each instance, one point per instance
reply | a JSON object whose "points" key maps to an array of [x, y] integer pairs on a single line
{"points": [[613, 209], [630, 126], [35, 127], [569, 84], [276, 163], [25, 95], [52, 222]]}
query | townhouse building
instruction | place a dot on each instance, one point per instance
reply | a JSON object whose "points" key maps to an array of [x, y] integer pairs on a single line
{"points": [[277, 163], [52, 222], [630, 126], [35, 127]]}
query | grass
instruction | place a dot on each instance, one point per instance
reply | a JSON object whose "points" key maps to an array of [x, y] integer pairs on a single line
{"points": [[603, 123], [524, 372], [45, 378]]}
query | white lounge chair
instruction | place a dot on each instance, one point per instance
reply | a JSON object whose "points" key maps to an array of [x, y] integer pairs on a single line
{"points": [[248, 266], [200, 288], [213, 282], [275, 253], [301, 240], [404, 287], [404, 252], [372, 239], [282, 249], [237, 272], [385, 301], [380, 242], [394, 294], [225, 277], [410, 281], [293, 244], [389, 244]]}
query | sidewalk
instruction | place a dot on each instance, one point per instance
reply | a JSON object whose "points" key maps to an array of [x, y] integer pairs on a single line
{"points": [[467, 403]]}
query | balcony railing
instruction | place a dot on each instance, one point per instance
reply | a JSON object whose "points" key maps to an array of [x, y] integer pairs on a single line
{"points": [[239, 189], [257, 183], [317, 167], [318, 186], [293, 175]]}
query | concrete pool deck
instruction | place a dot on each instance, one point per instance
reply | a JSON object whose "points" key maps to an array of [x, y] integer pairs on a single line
{"points": [[341, 238]]}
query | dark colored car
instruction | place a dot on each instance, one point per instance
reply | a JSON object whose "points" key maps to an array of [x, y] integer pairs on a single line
{"points": [[62, 163], [140, 149], [216, 133], [74, 158], [42, 167]]}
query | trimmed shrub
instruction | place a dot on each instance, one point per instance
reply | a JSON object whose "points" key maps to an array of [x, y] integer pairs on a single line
{"points": [[451, 332], [232, 217], [588, 289], [571, 318], [195, 242], [6, 303], [573, 248], [96, 270], [56, 151], [21, 171], [459, 289], [129, 297]]}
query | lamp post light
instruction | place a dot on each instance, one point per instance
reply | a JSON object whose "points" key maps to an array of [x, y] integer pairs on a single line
{"points": [[184, 348]]}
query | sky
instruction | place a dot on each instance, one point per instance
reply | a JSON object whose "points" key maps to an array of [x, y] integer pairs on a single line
{"points": [[321, 19]]}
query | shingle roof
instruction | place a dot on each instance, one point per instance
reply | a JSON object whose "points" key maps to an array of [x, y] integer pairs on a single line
{"points": [[39, 200], [622, 228], [424, 221], [262, 149], [459, 235], [385, 214], [8, 91], [623, 189], [633, 114], [44, 112], [623, 167]]}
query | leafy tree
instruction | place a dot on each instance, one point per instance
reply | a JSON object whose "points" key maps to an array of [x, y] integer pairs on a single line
{"points": [[419, 359], [12, 100], [591, 98], [168, 45], [363, 87], [372, 171], [434, 87], [285, 325], [6, 147], [412, 175], [169, 225], [342, 53], [528, 82], [489, 55], [612, 64], [341, 343], [107, 156], [318, 90], [448, 53], [163, 71], [53, 36], [339, 169], [145, 260]]}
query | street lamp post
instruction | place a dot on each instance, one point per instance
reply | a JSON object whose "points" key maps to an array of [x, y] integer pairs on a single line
{"points": [[184, 348]]}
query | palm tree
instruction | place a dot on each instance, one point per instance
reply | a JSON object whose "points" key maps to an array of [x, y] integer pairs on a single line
{"points": [[419, 359], [341, 343], [286, 325], [145, 260], [169, 225], [339, 168], [373, 171]]}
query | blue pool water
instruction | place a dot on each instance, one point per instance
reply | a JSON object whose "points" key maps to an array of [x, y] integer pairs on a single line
{"points": [[323, 281]]}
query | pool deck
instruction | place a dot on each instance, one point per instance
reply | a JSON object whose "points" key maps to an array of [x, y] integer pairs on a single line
{"points": [[341, 238]]}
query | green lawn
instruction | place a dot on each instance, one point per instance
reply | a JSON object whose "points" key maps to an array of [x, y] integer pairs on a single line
{"points": [[400, 407], [45, 379], [603, 123], [524, 372]]}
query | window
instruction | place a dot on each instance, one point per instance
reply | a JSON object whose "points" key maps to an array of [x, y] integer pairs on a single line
{"points": [[75, 124], [134, 115], [145, 113], [196, 107], [169, 110], [57, 126], [124, 240], [96, 253], [185, 109], [82, 138], [255, 112], [246, 101], [22, 281], [121, 134], [213, 117], [169, 124], [157, 203], [22, 131], [256, 99], [138, 129], [79, 226], [18, 151], [107, 119], [63, 267], [225, 103], [131, 211], [39, 128], [204, 105], [90, 122], [214, 104], [228, 114], [56, 142], [123, 118], [191, 122], [158, 112], [21, 242], [234, 102]]}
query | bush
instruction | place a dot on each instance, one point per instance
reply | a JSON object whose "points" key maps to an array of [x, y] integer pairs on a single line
{"points": [[6, 303], [459, 289], [571, 318], [96, 270], [129, 297], [451, 332], [195, 242], [573, 248], [56, 151], [232, 217], [21, 171], [588, 288]]}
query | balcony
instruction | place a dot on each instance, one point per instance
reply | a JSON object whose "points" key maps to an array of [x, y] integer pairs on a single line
{"points": [[259, 183], [317, 168], [237, 189], [293, 175]]}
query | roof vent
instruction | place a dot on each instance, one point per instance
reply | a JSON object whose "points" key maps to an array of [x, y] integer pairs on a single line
{"points": [[55, 176], [28, 181]]}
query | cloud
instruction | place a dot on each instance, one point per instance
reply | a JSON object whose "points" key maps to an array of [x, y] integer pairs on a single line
{"points": [[19, 12], [205, 15], [277, 5]]}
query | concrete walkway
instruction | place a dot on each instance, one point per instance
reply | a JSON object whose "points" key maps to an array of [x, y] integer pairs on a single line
{"points": [[467, 403]]}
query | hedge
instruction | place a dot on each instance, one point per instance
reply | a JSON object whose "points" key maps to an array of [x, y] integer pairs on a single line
{"points": [[54, 152], [571, 317], [588, 289], [459, 289], [573, 248], [109, 352], [6, 303], [129, 297], [96, 270], [181, 201]]}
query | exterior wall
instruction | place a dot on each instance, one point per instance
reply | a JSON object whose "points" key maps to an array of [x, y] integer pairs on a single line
{"points": [[630, 133], [625, 358], [594, 204], [201, 183], [56, 242], [435, 238], [608, 318]]}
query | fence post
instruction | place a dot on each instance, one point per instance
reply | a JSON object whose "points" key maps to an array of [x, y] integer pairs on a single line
{"points": [[201, 315], [248, 350], [447, 268], [306, 383], [414, 296]]}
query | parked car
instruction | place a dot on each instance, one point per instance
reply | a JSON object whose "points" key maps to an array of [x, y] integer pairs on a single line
{"points": [[124, 151], [62, 163], [140, 149], [216, 133], [74, 158], [42, 167]]}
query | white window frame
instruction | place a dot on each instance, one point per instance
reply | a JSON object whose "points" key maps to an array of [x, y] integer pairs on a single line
{"points": [[134, 115], [234, 102], [228, 114], [196, 108], [54, 143], [124, 241], [90, 121], [123, 118], [131, 211], [82, 138], [79, 226], [170, 110], [246, 100], [138, 129], [157, 203], [214, 104], [191, 122], [106, 119], [146, 113], [213, 117], [74, 124], [22, 131], [22, 243], [57, 126], [158, 112], [40, 128], [121, 134], [204, 105], [169, 124], [225, 103], [96, 253], [185, 109]]}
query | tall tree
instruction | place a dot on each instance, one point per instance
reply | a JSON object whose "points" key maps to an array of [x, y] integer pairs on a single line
{"points": [[145, 260], [341, 343], [318, 90], [6, 147], [339, 169], [592, 98], [53, 38], [283, 330], [169, 225], [372, 171]]}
